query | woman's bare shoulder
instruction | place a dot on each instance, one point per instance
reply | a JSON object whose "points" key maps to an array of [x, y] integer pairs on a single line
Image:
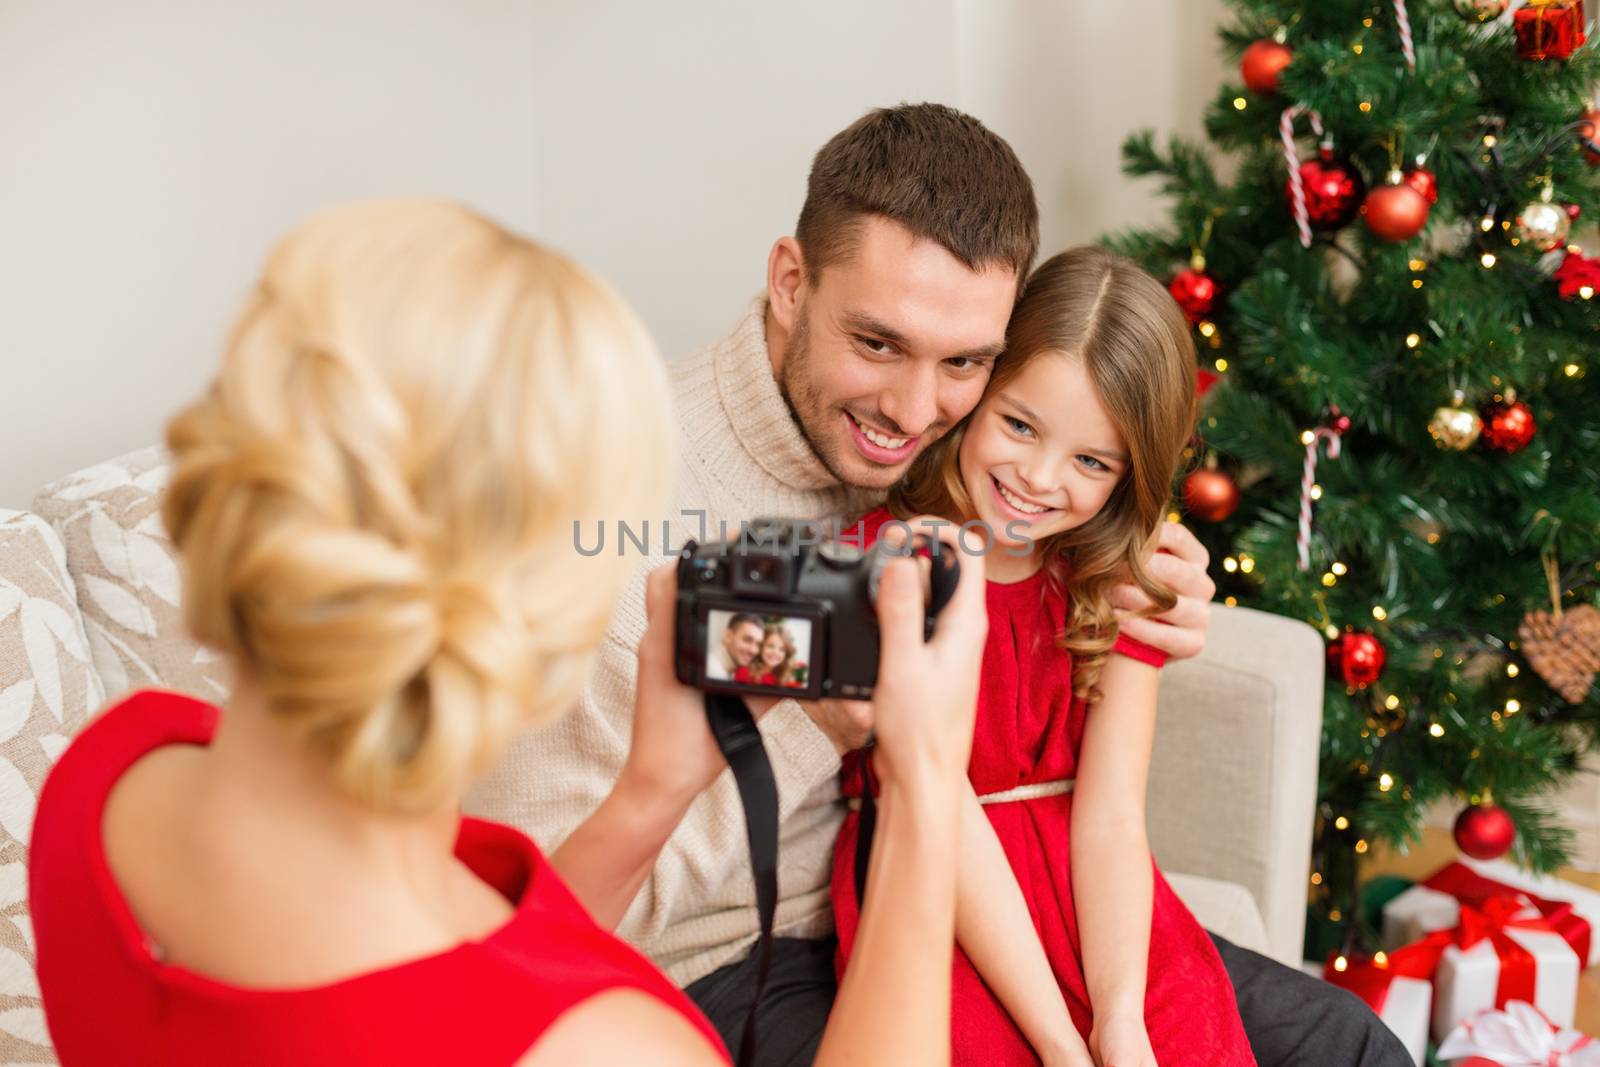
{"points": [[622, 1026]]}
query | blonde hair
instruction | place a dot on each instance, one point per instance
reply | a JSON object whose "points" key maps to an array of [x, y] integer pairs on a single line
{"points": [[374, 500], [1090, 305]]}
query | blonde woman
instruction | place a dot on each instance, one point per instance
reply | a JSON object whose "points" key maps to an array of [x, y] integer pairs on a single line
{"points": [[373, 506]]}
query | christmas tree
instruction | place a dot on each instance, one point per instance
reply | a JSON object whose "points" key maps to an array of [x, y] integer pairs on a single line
{"points": [[1399, 440]]}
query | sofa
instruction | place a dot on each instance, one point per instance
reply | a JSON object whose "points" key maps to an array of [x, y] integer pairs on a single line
{"points": [[89, 595]]}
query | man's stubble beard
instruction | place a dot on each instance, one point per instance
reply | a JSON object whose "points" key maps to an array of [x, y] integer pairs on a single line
{"points": [[803, 398], [808, 409]]}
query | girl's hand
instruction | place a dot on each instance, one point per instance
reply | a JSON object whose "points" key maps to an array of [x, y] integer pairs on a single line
{"points": [[673, 757], [1121, 1041]]}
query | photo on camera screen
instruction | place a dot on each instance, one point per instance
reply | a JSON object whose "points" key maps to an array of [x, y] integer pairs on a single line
{"points": [[754, 648]]}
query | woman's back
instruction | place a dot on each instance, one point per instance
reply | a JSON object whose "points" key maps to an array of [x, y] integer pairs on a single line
{"points": [[112, 998]]}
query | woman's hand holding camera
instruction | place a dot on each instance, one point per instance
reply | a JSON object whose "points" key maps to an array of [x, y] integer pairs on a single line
{"points": [[673, 757], [926, 695]]}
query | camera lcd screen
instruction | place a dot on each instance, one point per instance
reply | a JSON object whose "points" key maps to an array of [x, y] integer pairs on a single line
{"points": [[760, 650]]}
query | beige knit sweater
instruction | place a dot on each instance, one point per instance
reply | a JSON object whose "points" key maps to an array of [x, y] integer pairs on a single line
{"points": [[741, 455]]}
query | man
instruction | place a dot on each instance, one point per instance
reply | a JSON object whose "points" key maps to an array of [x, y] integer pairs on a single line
{"points": [[875, 335], [741, 643]]}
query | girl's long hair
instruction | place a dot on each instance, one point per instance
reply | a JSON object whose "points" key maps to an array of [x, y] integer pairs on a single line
{"points": [[1091, 305]]}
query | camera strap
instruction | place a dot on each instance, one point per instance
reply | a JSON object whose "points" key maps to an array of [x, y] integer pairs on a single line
{"points": [[740, 741]]}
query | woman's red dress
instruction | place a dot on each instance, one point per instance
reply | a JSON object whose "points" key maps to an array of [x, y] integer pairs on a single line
{"points": [[1029, 730], [108, 999]]}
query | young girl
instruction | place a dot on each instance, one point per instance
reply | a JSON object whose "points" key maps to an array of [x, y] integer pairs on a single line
{"points": [[1067, 462]]}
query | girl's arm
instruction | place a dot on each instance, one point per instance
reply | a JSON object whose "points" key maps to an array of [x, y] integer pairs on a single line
{"points": [[995, 929], [1112, 879]]}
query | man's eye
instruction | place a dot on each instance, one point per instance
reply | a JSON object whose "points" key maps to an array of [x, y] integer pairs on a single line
{"points": [[873, 345], [1018, 426]]}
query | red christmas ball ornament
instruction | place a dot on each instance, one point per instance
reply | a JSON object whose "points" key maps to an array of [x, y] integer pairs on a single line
{"points": [[1333, 191], [1485, 831], [1508, 426], [1395, 211], [1261, 64], [1357, 658], [1588, 128], [1196, 293], [1423, 181], [1574, 212], [1210, 495]]}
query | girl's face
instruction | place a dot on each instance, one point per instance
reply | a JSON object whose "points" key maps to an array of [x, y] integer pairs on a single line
{"points": [[1040, 455], [772, 650]]}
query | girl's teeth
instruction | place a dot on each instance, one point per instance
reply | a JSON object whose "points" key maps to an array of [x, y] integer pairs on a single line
{"points": [[1030, 509]]}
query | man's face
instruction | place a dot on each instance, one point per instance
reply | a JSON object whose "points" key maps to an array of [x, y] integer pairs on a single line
{"points": [[742, 642], [890, 348]]}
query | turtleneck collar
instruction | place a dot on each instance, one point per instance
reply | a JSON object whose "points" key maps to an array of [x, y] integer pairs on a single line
{"points": [[761, 419]]}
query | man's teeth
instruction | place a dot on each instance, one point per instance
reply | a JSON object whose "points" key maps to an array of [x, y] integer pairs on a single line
{"points": [[1012, 499], [880, 440]]}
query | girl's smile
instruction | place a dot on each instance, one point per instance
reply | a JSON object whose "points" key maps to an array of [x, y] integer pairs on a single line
{"points": [[1040, 455]]}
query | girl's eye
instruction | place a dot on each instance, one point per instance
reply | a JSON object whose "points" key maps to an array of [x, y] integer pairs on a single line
{"points": [[1018, 426], [1094, 464]]}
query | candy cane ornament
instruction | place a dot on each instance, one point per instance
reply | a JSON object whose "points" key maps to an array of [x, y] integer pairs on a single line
{"points": [[1407, 46], [1297, 187], [1308, 475]]}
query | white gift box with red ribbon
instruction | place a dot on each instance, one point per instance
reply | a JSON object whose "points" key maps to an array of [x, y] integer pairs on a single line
{"points": [[1435, 904], [1501, 953], [1404, 1002]]}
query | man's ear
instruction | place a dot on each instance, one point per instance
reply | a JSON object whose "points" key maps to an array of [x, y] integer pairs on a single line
{"points": [[786, 279]]}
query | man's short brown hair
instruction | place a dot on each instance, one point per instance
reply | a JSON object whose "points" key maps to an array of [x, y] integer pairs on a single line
{"points": [[939, 173]]}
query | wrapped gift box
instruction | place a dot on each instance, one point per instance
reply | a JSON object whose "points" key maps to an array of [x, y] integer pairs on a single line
{"points": [[1504, 952], [1519, 1036], [1404, 1002], [1435, 904]]}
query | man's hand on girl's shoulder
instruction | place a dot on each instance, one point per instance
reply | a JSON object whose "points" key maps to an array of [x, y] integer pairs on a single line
{"points": [[1180, 563]]}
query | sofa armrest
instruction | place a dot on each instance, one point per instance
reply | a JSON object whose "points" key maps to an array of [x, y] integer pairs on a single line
{"points": [[1233, 778]]}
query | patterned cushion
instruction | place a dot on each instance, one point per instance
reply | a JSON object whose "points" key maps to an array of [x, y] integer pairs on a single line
{"points": [[48, 689], [109, 518]]}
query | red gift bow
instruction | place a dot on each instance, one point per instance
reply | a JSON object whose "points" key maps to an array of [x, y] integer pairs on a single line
{"points": [[1371, 980], [1519, 971], [1470, 887]]}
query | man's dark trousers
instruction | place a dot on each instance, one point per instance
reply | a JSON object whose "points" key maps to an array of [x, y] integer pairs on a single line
{"points": [[1291, 1019]]}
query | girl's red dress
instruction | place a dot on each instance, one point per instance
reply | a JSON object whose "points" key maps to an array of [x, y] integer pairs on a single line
{"points": [[108, 1000], [1029, 730]]}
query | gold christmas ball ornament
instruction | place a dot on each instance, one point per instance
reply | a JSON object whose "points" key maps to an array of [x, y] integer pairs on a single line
{"points": [[1455, 427], [1544, 224], [1480, 10]]}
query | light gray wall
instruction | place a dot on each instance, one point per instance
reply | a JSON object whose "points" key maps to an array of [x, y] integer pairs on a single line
{"points": [[153, 150]]}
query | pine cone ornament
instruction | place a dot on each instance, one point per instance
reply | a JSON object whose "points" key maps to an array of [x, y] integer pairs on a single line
{"points": [[1563, 649]]}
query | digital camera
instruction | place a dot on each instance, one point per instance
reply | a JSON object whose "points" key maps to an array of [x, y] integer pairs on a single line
{"points": [[779, 610]]}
